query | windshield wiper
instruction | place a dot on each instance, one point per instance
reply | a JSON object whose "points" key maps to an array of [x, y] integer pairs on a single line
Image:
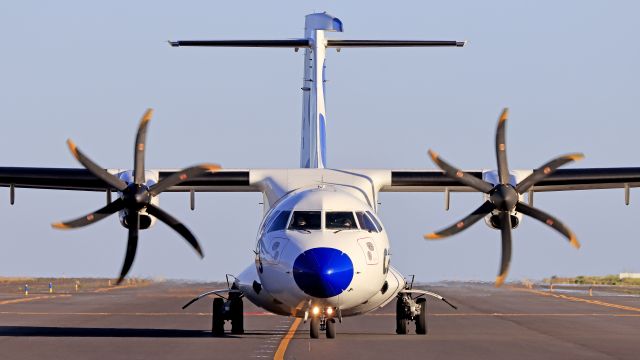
{"points": [[304, 230]]}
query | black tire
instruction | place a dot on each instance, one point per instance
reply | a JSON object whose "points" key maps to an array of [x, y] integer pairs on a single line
{"points": [[237, 316], [217, 318], [401, 320], [331, 328], [421, 319], [314, 328]]}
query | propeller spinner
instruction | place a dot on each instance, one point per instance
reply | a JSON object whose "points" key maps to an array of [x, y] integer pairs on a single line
{"points": [[136, 196], [503, 198]]}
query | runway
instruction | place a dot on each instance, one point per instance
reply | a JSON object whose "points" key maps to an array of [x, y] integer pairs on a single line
{"points": [[146, 322]]}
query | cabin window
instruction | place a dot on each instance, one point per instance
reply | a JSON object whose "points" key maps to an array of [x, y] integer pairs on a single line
{"points": [[365, 222], [340, 220], [305, 220], [280, 221]]}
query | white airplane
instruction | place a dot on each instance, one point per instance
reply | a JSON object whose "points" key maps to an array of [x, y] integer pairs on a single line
{"points": [[322, 253]]}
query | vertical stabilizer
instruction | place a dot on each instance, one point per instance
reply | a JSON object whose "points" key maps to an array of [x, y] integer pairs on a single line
{"points": [[313, 150]]}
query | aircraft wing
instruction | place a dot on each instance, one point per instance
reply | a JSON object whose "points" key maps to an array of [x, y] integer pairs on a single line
{"points": [[560, 180], [233, 180], [83, 180]]}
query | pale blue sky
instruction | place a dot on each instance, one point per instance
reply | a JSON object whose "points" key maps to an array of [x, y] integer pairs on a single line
{"points": [[567, 69]]}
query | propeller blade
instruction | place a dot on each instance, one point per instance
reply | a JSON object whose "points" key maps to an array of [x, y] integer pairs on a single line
{"points": [[505, 231], [141, 138], [460, 175], [175, 225], [546, 170], [501, 148], [463, 224], [96, 170], [133, 221], [549, 220], [94, 217], [182, 176]]}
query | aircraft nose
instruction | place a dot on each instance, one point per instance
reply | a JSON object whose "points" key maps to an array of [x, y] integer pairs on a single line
{"points": [[323, 272]]}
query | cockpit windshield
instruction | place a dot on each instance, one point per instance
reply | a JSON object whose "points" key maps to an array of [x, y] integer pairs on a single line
{"points": [[305, 220], [279, 221], [375, 220], [366, 223], [340, 220]]}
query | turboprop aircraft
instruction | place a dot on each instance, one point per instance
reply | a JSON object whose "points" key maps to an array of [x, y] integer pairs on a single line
{"points": [[322, 253]]}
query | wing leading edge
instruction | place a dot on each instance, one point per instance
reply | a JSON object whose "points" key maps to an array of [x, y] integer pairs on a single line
{"points": [[560, 180], [83, 180], [239, 180]]}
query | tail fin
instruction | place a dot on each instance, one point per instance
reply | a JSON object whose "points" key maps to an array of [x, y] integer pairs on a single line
{"points": [[313, 149]]}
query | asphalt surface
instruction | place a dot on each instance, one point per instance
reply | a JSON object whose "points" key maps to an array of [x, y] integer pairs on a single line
{"points": [[146, 322]]}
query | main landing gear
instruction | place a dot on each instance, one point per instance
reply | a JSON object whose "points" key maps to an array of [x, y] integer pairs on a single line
{"points": [[229, 310], [412, 306], [322, 320], [409, 309]]}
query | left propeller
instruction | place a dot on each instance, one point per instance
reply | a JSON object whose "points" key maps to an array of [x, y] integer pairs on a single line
{"points": [[136, 196]]}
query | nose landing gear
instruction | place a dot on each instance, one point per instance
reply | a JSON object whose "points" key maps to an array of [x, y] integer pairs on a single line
{"points": [[314, 328], [322, 321], [330, 326]]}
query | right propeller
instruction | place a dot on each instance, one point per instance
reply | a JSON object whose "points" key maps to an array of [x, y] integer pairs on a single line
{"points": [[504, 198], [136, 196]]}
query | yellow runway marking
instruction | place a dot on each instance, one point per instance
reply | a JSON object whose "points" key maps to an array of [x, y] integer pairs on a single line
{"points": [[282, 348], [151, 314], [519, 315], [27, 299], [577, 299], [116, 287], [99, 313]]}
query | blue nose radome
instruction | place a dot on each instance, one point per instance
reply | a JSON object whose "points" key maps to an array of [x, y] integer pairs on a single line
{"points": [[323, 272]]}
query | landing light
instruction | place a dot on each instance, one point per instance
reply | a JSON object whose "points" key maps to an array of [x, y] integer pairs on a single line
{"points": [[316, 310], [329, 311]]}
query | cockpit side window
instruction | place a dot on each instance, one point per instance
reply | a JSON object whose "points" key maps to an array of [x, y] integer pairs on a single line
{"points": [[280, 221], [365, 222], [305, 220], [340, 220], [375, 220]]}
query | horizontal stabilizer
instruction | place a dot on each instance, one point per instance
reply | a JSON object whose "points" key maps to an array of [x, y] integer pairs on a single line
{"points": [[305, 43], [392, 43], [291, 43]]}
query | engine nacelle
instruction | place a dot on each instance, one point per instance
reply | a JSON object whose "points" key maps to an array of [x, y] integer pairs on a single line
{"points": [[150, 176], [146, 220], [493, 220]]}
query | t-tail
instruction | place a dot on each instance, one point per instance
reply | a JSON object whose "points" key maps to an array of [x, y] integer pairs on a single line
{"points": [[313, 150]]}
